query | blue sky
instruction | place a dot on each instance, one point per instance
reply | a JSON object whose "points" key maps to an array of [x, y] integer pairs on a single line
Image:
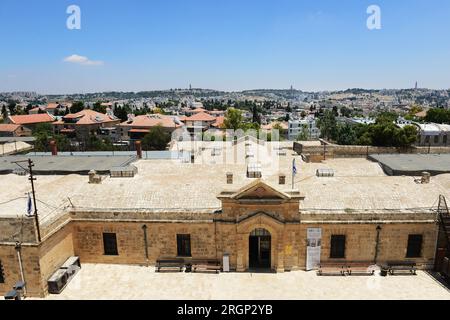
{"points": [[228, 45]]}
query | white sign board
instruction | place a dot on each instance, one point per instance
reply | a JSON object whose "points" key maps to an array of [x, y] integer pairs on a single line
{"points": [[313, 245]]}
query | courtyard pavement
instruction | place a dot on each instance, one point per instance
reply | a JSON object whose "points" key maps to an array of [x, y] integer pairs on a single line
{"points": [[100, 281]]}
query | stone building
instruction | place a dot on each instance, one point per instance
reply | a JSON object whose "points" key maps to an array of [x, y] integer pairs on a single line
{"points": [[172, 209]]}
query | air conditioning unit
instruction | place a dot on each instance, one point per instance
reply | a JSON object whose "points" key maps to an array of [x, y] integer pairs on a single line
{"points": [[58, 281]]}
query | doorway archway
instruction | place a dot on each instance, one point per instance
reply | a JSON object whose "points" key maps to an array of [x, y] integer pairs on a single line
{"points": [[260, 249]]}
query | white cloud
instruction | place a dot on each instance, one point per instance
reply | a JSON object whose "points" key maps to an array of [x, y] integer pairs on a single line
{"points": [[85, 61]]}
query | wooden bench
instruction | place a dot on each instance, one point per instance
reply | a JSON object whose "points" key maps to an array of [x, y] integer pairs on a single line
{"points": [[206, 265], [170, 264], [332, 268], [409, 266], [360, 268]]}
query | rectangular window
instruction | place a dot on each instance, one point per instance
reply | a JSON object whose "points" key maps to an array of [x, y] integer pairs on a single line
{"points": [[436, 139], [110, 244], [337, 248], [2, 273], [184, 245], [414, 246], [444, 139]]}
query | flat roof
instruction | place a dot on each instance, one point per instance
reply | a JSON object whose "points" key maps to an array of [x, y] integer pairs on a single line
{"points": [[162, 186], [53, 165], [413, 164]]}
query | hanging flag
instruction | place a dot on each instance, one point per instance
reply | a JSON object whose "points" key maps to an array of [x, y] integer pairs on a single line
{"points": [[294, 168], [29, 206]]}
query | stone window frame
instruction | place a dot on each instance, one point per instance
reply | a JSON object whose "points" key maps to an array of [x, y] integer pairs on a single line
{"points": [[113, 250], [335, 240], [411, 251]]}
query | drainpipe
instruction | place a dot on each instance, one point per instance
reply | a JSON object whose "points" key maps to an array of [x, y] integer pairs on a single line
{"points": [[18, 248], [377, 245], [144, 228]]}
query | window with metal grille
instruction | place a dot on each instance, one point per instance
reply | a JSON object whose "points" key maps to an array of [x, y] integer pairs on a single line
{"points": [[110, 244], [2, 273], [184, 245], [414, 246], [337, 247]]}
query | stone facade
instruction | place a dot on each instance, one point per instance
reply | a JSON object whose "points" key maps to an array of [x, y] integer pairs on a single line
{"points": [[212, 234]]}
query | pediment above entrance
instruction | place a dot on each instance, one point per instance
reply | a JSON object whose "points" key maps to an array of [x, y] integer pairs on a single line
{"points": [[259, 190]]}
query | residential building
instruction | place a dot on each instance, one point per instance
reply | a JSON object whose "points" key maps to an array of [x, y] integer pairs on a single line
{"points": [[306, 125], [14, 130], [136, 127], [85, 123], [30, 121]]}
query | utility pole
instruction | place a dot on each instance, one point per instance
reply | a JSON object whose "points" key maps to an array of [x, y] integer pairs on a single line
{"points": [[36, 218], [32, 179]]}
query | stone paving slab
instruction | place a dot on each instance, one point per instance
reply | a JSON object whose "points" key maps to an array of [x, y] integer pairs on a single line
{"points": [[99, 281]]}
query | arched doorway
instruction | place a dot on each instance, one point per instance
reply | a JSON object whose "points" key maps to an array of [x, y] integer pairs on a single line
{"points": [[260, 248]]}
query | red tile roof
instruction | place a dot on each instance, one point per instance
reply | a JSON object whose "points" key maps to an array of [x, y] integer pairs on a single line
{"points": [[198, 110], [201, 116], [31, 118], [151, 120], [88, 116], [219, 122], [9, 127]]}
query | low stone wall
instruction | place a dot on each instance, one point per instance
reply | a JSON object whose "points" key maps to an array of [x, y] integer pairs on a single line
{"points": [[17, 229], [316, 153]]}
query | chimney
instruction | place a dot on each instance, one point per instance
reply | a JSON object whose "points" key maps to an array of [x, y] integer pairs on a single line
{"points": [[282, 178], [426, 177], [229, 178], [94, 178], [139, 149], [54, 148]]}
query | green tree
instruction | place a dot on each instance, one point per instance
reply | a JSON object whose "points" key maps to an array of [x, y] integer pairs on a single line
{"points": [[99, 108], [438, 115], [233, 119], [328, 125], [4, 112], [156, 139], [304, 133], [77, 107], [346, 135]]}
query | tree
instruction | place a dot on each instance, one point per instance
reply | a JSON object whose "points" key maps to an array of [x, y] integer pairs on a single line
{"points": [[4, 112], [99, 108], [255, 114], [328, 125], [438, 115], [346, 135], [406, 136], [233, 119], [77, 107], [156, 139], [12, 108], [304, 134]]}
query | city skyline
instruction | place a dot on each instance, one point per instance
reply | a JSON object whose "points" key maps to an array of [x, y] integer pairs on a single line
{"points": [[321, 46]]}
